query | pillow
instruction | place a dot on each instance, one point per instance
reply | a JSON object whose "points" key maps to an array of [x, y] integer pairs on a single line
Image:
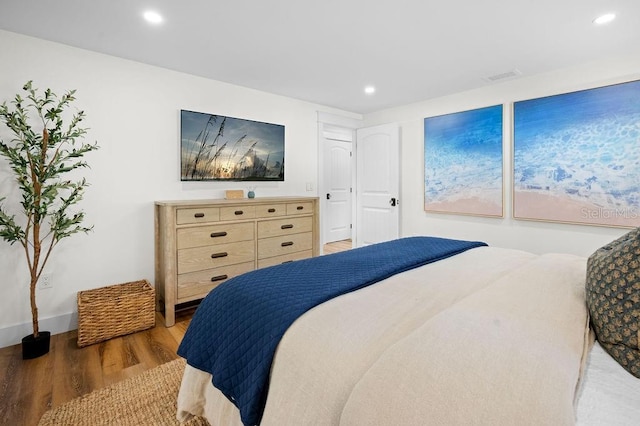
{"points": [[613, 299]]}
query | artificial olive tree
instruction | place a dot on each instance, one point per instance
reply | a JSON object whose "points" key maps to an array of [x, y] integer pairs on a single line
{"points": [[46, 146]]}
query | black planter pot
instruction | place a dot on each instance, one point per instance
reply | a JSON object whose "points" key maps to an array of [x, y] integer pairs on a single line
{"points": [[33, 347]]}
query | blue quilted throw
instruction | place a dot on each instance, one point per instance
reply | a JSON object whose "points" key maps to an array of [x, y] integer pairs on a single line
{"points": [[235, 331]]}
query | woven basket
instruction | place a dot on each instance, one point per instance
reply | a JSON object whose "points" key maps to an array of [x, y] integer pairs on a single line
{"points": [[116, 310]]}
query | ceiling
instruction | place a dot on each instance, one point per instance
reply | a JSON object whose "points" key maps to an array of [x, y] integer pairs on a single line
{"points": [[327, 51]]}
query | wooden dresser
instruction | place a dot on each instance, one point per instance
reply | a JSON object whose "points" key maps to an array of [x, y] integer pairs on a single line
{"points": [[200, 244]]}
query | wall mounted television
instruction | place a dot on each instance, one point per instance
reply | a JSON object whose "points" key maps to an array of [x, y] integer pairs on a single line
{"points": [[219, 148]]}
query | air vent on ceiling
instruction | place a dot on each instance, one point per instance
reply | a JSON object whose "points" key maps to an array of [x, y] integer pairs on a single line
{"points": [[503, 76]]}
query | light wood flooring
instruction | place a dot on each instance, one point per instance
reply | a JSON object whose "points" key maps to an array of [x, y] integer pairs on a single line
{"points": [[28, 388], [337, 246]]}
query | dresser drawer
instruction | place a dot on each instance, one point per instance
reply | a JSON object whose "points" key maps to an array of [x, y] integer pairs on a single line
{"points": [[271, 210], [287, 226], [277, 260], [197, 215], [300, 208], [201, 258], [197, 284], [237, 212], [286, 244], [207, 235]]}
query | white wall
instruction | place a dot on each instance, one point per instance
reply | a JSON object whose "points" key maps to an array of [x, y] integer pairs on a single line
{"points": [[537, 237], [133, 113]]}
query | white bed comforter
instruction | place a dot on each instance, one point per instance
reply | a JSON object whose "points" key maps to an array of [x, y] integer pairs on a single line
{"points": [[488, 337]]}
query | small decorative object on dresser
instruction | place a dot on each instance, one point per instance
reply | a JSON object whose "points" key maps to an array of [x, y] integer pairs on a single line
{"points": [[233, 194], [199, 244]]}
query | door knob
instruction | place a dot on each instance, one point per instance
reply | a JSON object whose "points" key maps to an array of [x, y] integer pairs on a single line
{"points": [[328, 196], [393, 202]]}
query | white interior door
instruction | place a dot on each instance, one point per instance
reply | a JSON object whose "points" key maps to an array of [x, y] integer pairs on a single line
{"points": [[377, 184], [337, 185]]}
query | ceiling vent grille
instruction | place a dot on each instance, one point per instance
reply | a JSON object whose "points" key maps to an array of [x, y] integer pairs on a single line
{"points": [[503, 76]]}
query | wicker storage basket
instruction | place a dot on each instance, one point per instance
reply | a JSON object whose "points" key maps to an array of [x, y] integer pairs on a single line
{"points": [[116, 310]]}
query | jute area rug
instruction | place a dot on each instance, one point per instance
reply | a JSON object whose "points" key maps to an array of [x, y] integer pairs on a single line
{"points": [[146, 399]]}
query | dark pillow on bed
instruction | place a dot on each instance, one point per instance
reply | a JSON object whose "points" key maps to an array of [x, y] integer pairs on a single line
{"points": [[613, 298]]}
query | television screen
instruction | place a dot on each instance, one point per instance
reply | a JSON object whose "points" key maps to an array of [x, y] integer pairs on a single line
{"points": [[220, 148]]}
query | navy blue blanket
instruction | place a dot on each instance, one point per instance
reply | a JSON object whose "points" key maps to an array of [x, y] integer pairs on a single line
{"points": [[235, 331]]}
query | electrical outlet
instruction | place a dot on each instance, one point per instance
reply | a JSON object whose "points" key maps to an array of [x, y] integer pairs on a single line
{"points": [[46, 281]]}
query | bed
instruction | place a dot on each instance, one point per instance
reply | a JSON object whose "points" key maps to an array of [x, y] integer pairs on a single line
{"points": [[487, 336]]}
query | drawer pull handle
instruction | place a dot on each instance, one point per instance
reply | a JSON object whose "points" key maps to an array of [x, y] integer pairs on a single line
{"points": [[219, 278], [216, 255], [218, 234], [198, 215], [300, 207], [287, 243], [286, 227], [271, 210], [287, 261], [238, 212]]}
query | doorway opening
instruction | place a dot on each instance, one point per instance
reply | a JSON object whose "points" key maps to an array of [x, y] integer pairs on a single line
{"points": [[358, 183]]}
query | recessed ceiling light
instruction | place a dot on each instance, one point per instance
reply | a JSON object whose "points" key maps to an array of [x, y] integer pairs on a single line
{"points": [[152, 17], [604, 19], [369, 90]]}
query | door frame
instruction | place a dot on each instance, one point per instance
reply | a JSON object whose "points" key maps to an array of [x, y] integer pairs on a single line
{"points": [[331, 123]]}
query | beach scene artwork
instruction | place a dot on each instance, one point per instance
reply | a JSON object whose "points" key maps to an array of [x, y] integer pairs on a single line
{"points": [[577, 157], [463, 162], [216, 147]]}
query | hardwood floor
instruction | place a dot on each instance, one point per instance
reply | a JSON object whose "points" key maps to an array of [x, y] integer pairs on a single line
{"points": [[28, 388], [337, 246]]}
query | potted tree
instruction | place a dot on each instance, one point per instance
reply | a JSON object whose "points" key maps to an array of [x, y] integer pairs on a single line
{"points": [[41, 153]]}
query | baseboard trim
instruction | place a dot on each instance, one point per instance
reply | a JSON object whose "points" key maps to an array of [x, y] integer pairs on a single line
{"points": [[13, 335]]}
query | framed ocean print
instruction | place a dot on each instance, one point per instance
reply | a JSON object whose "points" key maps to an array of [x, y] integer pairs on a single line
{"points": [[463, 162], [576, 157], [220, 148]]}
